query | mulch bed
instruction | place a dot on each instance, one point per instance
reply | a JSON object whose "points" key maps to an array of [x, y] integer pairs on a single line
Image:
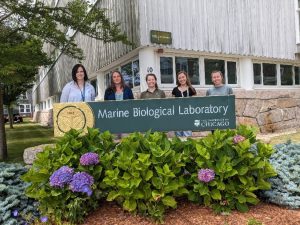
{"points": [[190, 214]]}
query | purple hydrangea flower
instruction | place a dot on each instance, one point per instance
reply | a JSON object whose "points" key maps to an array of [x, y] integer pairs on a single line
{"points": [[44, 219], [82, 182], [89, 158], [238, 138], [15, 213], [206, 175], [61, 177]]}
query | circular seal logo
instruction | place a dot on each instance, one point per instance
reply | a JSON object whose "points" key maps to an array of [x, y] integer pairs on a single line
{"points": [[69, 116]]}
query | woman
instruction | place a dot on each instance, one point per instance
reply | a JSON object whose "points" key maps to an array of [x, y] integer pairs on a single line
{"points": [[219, 87], [183, 89], [117, 89], [78, 90], [152, 91]]}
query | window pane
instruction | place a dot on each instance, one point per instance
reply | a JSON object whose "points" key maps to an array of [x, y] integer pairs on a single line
{"points": [[189, 65], [286, 74], [211, 65], [231, 73], [257, 73], [269, 74], [126, 71], [94, 84], [107, 80], [136, 72], [166, 70], [297, 75]]}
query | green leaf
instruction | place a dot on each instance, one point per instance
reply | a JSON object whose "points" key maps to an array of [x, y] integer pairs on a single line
{"points": [[242, 207], [148, 175], [243, 180], [157, 182], [129, 204], [112, 196], [55, 192], [202, 151], [231, 173], [242, 170], [215, 194], [252, 200], [156, 195], [241, 198], [169, 201]]}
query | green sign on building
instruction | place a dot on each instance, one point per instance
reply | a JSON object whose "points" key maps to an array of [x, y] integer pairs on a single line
{"points": [[161, 37]]}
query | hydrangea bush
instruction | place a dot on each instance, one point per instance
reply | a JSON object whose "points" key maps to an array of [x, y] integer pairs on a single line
{"points": [[146, 174], [286, 185], [224, 172], [15, 206], [66, 179]]}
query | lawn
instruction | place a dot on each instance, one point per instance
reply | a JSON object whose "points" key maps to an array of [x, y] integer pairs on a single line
{"points": [[24, 135]]}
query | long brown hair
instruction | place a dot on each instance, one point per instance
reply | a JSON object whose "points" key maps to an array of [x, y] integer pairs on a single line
{"points": [[188, 82], [153, 75], [112, 84]]}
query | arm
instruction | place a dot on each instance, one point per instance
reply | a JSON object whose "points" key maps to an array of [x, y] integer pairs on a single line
{"points": [[65, 93], [93, 93]]}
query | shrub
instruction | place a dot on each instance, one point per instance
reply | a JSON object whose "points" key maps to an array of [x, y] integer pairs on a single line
{"points": [[146, 174], [286, 185], [15, 207], [66, 179], [225, 170]]}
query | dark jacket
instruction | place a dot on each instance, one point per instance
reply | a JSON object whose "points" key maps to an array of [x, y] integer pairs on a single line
{"points": [[110, 94]]}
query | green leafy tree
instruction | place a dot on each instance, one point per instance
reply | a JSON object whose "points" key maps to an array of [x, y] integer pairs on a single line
{"points": [[32, 21]]}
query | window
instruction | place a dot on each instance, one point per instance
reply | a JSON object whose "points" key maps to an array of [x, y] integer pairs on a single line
{"points": [[286, 74], [257, 73], [166, 70], [189, 65], [228, 68], [131, 73], [25, 108], [107, 79], [170, 66], [94, 84], [297, 75], [268, 73]]}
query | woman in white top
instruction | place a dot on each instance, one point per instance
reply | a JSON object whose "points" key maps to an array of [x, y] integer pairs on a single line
{"points": [[78, 90]]}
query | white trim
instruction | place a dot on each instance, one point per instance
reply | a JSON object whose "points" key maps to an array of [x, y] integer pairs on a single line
{"points": [[297, 22]]}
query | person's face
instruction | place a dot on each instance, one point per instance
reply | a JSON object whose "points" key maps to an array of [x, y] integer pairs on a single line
{"points": [[182, 79], [217, 79], [116, 78], [151, 82], [80, 74]]}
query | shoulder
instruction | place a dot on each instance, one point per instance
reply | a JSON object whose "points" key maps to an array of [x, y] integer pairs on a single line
{"points": [[127, 89], [69, 84]]}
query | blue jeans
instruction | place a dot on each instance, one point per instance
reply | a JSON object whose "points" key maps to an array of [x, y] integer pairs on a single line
{"points": [[186, 133]]}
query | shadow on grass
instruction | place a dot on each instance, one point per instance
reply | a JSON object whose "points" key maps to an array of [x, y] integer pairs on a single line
{"points": [[24, 135]]}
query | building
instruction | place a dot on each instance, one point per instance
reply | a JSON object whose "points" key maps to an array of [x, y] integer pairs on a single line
{"points": [[254, 42]]}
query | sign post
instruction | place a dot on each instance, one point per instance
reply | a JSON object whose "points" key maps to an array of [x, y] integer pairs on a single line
{"points": [[170, 114]]}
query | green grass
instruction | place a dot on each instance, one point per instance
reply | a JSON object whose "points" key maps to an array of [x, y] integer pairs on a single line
{"points": [[295, 137], [24, 135]]}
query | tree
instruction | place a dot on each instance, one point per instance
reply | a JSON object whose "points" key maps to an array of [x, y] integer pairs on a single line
{"points": [[32, 20]]}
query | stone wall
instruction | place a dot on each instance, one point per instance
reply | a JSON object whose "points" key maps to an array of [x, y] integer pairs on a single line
{"points": [[270, 110], [44, 117]]}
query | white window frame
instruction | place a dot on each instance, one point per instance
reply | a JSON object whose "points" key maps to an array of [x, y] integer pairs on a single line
{"points": [[297, 21], [278, 75], [25, 108]]}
